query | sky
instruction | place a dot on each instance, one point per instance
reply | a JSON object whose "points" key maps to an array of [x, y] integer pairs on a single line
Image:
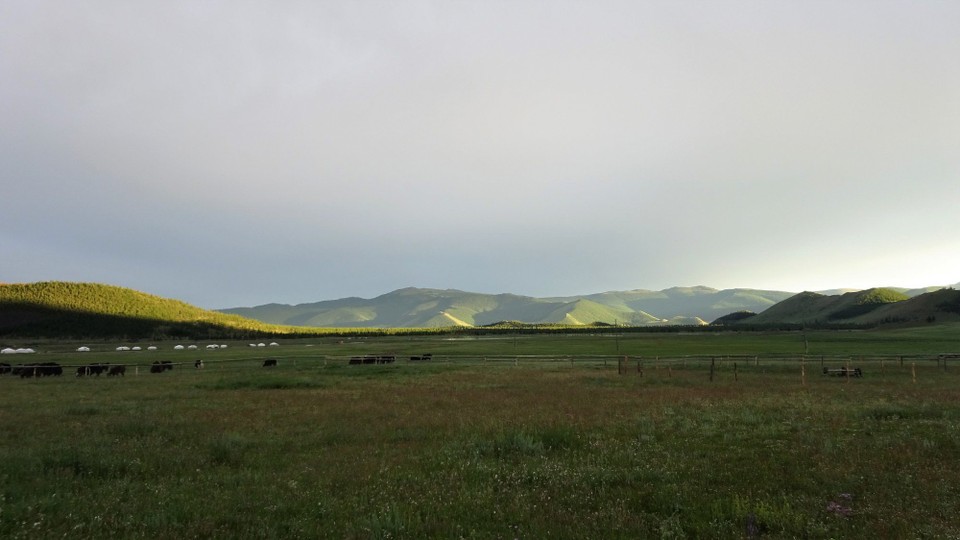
{"points": [[240, 153]]}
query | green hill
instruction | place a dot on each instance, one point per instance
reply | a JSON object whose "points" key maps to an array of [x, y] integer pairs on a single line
{"points": [[84, 310], [872, 306]]}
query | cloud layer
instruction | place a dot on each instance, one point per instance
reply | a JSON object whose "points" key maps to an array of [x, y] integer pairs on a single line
{"points": [[232, 154]]}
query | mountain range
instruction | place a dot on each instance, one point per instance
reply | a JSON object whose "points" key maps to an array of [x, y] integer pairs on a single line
{"points": [[422, 308], [90, 310]]}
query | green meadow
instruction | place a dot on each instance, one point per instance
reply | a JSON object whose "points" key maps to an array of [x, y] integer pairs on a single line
{"points": [[701, 435]]}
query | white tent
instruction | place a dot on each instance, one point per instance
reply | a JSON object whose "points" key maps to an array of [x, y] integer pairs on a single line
{"points": [[151, 348], [223, 346], [136, 349], [123, 348], [178, 348], [274, 344], [83, 349], [213, 346], [8, 350], [25, 351], [260, 345], [191, 346]]}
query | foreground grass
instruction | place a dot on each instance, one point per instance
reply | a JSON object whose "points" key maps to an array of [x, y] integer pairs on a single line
{"points": [[484, 450]]}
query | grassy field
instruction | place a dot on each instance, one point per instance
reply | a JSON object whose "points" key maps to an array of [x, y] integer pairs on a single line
{"points": [[533, 437]]}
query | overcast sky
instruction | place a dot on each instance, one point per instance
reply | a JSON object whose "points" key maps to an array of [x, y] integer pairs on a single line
{"points": [[239, 153]]}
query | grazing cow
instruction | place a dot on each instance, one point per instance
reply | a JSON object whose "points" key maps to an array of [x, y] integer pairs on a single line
{"points": [[160, 367], [89, 369], [117, 370], [270, 362], [198, 364]]}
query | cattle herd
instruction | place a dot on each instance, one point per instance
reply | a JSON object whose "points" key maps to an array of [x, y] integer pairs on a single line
{"points": [[97, 369], [389, 359], [53, 369], [48, 369], [43, 369]]}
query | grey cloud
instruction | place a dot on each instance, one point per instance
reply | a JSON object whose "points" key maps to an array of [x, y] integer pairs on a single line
{"points": [[240, 153]]}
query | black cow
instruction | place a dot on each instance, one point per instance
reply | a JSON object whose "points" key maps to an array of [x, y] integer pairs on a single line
{"points": [[5, 368], [270, 362], [51, 369], [198, 364], [117, 370], [92, 369], [160, 367]]}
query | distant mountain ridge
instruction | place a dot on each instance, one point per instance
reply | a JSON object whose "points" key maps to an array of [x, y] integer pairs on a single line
{"points": [[415, 307]]}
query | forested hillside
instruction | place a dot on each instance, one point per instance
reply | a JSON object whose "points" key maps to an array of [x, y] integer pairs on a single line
{"points": [[65, 309]]}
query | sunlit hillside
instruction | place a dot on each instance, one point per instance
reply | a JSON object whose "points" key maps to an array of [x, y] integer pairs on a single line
{"points": [[57, 308]]}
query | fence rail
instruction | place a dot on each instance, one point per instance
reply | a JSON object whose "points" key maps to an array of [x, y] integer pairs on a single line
{"points": [[623, 363]]}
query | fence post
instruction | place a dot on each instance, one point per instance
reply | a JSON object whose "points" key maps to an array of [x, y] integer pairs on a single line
{"points": [[735, 377], [712, 363], [913, 369], [803, 372]]}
